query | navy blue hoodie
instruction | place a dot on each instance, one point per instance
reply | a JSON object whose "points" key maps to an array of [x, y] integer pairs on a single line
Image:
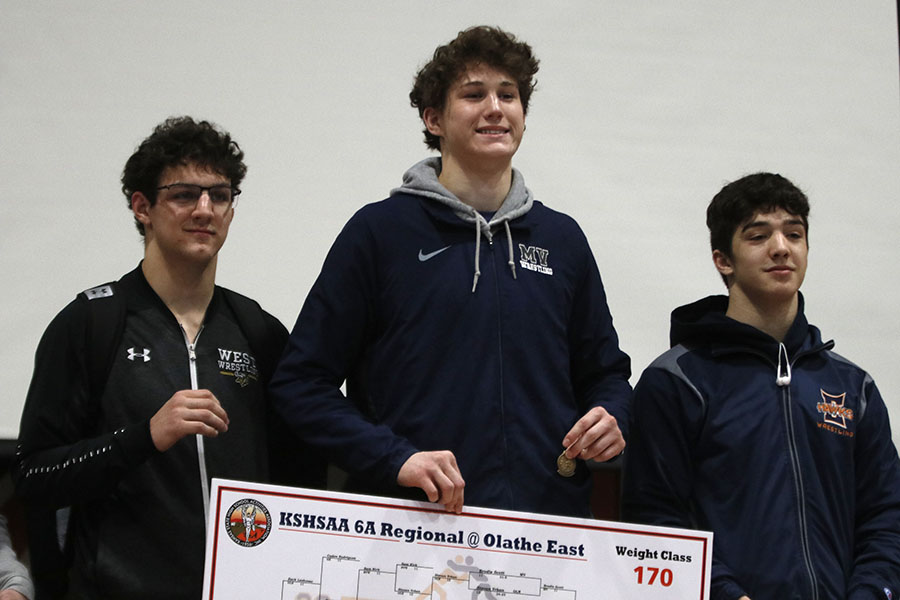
{"points": [[798, 479], [486, 337]]}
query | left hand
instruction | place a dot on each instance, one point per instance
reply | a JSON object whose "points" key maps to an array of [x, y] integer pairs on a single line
{"points": [[596, 436], [437, 474]]}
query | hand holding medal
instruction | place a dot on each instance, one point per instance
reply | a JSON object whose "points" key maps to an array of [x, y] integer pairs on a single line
{"points": [[565, 466], [595, 436]]}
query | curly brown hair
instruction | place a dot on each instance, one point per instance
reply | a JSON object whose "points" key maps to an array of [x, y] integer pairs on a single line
{"points": [[482, 45], [178, 141]]}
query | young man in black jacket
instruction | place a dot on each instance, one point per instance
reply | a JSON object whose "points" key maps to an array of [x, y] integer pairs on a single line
{"points": [[184, 393]]}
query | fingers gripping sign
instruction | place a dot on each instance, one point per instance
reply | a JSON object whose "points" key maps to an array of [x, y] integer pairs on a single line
{"points": [[596, 436], [437, 474], [188, 412]]}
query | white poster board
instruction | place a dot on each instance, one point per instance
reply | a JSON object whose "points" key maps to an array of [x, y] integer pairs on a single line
{"points": [[281, 543]]}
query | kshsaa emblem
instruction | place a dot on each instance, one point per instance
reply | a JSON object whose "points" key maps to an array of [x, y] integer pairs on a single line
{"points": [[248, 522]]}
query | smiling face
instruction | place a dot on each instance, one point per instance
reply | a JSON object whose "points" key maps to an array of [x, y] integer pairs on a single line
{"points": [[482, 121], [768, 259], [179, 231]]}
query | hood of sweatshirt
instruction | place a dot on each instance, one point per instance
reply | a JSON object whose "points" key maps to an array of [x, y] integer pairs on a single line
{"points": [[704, 323], [422, 180]]}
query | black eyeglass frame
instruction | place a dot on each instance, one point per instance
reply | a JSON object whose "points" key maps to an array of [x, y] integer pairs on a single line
{"points": [[235, 192]]}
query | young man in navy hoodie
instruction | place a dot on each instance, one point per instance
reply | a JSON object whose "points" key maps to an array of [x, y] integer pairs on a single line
{"points": [[468, 320], [752, 427]]}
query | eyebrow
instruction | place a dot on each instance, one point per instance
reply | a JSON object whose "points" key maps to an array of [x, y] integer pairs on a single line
{"points": [[752, 224], [476, 82]]}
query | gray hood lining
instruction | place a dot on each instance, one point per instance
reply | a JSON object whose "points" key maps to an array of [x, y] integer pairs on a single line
{"points": [[422, 180]]}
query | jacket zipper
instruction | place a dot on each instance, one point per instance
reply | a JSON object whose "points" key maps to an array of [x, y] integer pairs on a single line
{"points": [[788, 412], [496, 278], [201, 450], [792, 449], [798, 488]]}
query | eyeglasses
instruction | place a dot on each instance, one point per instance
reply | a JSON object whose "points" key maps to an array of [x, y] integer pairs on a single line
{"points": [[187, 195]]}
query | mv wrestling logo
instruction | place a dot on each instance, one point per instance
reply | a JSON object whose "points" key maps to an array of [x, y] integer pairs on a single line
{"points": [[834, 414], [237, 364], [248, 522], [534, 259]]}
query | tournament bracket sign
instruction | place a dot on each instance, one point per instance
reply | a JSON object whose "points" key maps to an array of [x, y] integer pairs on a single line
{"points": [[281, 543]]}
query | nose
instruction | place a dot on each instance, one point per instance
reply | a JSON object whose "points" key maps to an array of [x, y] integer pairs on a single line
{"points": [[493, 108], [779, 245], [203, 206]]}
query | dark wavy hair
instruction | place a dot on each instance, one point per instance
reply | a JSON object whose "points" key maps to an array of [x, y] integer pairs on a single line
{"points": [[482, 45], [737, 202], [181, 141]]}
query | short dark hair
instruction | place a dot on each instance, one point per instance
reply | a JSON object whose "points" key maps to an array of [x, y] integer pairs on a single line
{"points": [[482, 45], [181, 141], [737, 202]]}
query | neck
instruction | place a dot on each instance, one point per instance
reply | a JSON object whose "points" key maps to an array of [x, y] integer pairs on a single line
{"points": [[773, 318], [186, 289], [483, 190]]}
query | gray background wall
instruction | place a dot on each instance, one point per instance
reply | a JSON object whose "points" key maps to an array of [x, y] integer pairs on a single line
{"points": [[644, 110]]}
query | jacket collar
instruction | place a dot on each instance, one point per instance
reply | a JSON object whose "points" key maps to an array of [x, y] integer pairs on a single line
{"points": [[704, 322]]}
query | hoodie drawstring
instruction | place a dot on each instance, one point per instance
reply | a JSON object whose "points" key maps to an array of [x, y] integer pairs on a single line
{"points": [[783, 378], [511, 262], [509, 248], [477, 255]]}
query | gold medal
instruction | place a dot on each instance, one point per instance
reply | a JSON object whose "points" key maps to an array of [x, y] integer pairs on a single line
{"points": [[565, 466]]}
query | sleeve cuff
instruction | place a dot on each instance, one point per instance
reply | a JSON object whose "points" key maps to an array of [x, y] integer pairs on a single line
{"points": [[136, 443]]}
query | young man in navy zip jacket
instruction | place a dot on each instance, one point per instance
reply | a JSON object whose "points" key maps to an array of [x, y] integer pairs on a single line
{"points": [[752, 427], [468, 320]]}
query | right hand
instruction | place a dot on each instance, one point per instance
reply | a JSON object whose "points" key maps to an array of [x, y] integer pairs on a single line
{"points": [[437, 474], [186, 413]]}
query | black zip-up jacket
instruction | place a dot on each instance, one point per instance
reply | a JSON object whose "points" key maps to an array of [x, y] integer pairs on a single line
{"points": [[798, 480], [138, 524]]}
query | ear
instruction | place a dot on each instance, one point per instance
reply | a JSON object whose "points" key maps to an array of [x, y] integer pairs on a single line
{"points": [[140, 206], [432, 119], [723, 263]]}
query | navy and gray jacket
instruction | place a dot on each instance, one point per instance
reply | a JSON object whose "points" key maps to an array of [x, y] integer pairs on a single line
{"points": [[488, 337], [798, 478]]}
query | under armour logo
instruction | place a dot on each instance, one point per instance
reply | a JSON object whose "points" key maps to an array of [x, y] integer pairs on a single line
{"points": [[101, 291], [145, 354]]}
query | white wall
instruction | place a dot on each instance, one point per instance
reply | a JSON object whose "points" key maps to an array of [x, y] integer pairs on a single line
{"points": [[644, 110]]}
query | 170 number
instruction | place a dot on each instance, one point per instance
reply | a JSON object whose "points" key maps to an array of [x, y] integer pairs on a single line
{"points": [[664, 576]]}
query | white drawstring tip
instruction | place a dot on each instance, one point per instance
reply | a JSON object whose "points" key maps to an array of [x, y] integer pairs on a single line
{"points": [[783, 378]]}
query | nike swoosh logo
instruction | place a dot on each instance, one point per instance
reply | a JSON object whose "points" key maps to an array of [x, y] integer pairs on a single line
{"points": [[423, 257]]}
